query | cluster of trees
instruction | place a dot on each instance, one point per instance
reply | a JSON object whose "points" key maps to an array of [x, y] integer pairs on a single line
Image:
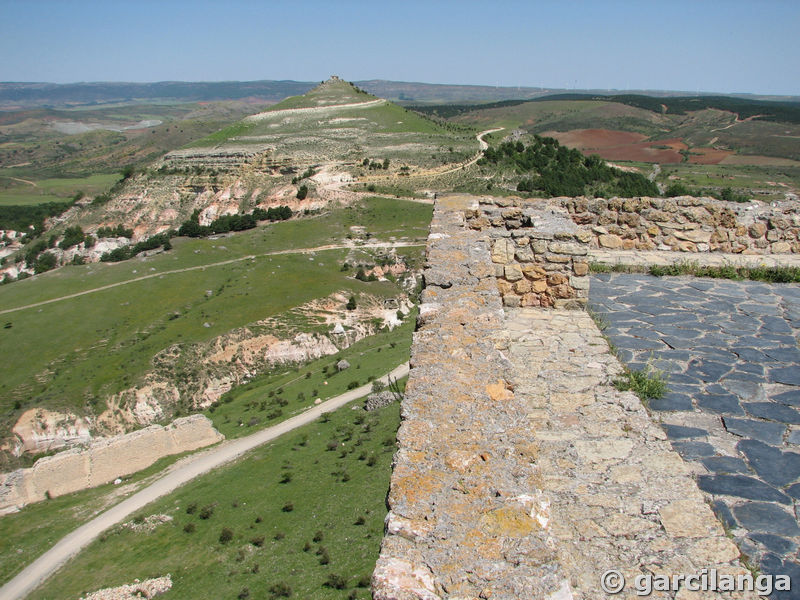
{"points": [[374, 164], [678, 189], [309, 172], [151, 243], [227, 223], [117, 231], [561, 171]]}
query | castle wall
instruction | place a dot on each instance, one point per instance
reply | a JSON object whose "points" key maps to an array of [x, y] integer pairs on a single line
{"points": [[686, 224], [103, 461]]}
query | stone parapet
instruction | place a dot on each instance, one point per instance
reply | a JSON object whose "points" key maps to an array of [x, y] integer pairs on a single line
{"points": [[539, 254], [687, 224], [465, 518], [103, 461]]}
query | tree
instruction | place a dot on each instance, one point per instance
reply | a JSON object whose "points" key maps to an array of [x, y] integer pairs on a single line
{"points": [[385, 163], [302, 192], [351, 303]]}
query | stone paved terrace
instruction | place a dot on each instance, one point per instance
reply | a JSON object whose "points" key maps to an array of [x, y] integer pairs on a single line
{"points": [[730, 351], [521, 471]]}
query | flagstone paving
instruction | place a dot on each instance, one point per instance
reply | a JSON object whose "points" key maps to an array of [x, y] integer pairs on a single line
{"points": [[730, 352]]}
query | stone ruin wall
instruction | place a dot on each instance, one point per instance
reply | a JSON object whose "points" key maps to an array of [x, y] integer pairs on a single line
{"points": [[685, 224], [483, 498], [461, 483], [103, 461], [540, 257]]}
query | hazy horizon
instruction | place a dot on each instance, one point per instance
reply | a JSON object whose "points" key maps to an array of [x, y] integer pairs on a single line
{"points": [[713, 47]]}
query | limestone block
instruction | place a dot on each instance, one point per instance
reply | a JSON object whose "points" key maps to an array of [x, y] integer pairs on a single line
{"points": [[610, 241], [534, 272], [572, 249], [524, 254], [580, 268], [757, 230], [539, 246], [513, 272], [503, 251], [689, 517], [781, 247]]}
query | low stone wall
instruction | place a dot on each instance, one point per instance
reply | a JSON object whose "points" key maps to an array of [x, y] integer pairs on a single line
{"points": [[103, 461], [539, 254], [687, 224]]}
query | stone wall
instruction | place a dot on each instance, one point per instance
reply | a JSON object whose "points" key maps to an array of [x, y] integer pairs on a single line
{"points": [[103, 461], [521, 471], [687, 224], [463, 519], [539, 254]]}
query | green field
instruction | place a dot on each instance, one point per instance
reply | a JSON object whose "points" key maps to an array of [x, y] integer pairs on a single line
{"points": [[305, 510], [73, 353], [15, 192], [30, 532]]}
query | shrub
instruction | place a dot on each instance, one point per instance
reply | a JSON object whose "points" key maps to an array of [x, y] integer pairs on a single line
{"points": [[318, 536], [245, 593], [189, 528], [279, 535], [648, 383], [352, 385], [288, 507], [360, 521], [258, 541], [226, 535], [335, 581], [280, 590], [206, 511]]}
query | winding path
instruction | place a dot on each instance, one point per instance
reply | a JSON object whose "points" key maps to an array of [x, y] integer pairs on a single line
{"points": [[70, 545], [216, 264]]}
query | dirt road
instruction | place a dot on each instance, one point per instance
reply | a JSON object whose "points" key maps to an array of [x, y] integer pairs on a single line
{"points": [[217, 264], [47, 564]]}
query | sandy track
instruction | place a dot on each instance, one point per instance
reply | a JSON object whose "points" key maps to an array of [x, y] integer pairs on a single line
{"points": [[216, 264], [47, 564]]}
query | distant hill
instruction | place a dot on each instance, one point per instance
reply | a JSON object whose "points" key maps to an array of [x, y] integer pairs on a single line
{"points": [[15, 95]]}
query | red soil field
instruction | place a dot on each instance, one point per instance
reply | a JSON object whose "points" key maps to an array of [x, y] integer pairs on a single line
{"points": [[621, 145], [709, 156]]}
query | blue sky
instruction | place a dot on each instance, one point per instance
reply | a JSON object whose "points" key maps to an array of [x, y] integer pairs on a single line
{"points": [[703, 45]]}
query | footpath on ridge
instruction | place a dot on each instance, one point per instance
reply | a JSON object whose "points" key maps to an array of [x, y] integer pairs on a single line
{"points": [[521, 471]]}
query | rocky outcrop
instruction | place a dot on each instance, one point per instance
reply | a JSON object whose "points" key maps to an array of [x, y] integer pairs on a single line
{"points": [[103, 460], [149, 588]]}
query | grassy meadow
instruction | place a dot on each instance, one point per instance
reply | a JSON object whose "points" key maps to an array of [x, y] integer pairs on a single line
{"points": [[73, 353], [301, 516]]}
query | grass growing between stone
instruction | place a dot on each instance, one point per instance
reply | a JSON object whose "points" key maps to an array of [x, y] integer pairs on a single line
{"points": [[768, 274], [694, 269], [648, 383], [303, 514]]}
